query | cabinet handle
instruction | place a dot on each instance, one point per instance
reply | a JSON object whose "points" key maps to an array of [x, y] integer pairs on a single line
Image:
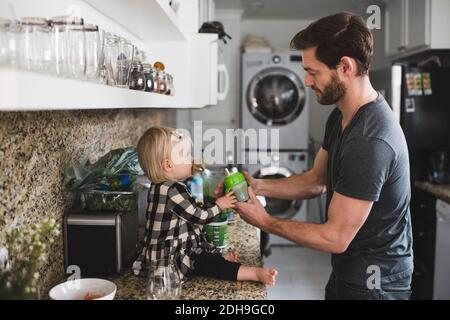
{"points": [[401, 48]]}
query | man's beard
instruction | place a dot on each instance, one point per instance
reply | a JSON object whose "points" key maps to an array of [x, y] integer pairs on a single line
{"points": [[333, 92]]}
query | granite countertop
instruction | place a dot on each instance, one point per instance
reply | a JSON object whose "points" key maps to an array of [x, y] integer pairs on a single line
{"points": [[243, 238], [440, 191]]}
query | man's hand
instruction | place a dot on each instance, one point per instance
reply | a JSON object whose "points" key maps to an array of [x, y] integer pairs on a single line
{"points": [[254, 183], [253, 212]]}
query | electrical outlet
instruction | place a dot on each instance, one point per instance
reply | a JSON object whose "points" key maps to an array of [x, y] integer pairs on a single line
{"points": [[4, 258]]}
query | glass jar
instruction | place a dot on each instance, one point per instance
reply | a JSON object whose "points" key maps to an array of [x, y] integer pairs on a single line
{"points": [[170, 86], [13, 38], [111, 52], [61, 26], [4, 43], [35, 50], [149, 75], [137, 77], [161, 83], [77, 52], [124, 60], [93, 52], [164, 281]]}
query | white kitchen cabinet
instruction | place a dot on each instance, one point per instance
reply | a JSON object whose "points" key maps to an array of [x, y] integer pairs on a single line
{"points": [[151, 25], [225, 114], [416, 25]]}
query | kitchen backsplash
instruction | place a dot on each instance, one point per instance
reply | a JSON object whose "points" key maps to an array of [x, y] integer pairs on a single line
{"points": [[35, 147]]}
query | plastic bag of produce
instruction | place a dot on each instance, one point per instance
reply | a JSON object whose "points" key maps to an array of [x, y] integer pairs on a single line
{"points": [[118, 162]]}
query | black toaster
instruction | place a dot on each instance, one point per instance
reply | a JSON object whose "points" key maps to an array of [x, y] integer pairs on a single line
{"points": [[100, 242]]}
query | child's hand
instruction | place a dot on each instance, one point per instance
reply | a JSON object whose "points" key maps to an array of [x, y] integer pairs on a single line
{"points": [[227, 201]]}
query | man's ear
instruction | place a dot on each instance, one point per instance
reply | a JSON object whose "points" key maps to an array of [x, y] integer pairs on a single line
{"points": [[348, 66]]}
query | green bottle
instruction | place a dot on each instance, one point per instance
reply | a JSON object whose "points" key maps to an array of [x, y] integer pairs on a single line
{"points": [[236, 182]]}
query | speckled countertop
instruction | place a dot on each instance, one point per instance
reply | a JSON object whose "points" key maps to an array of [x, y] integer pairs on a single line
{"points": [[440, 191], [243, 238]]}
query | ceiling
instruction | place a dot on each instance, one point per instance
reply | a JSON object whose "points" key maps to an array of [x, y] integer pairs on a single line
{"points": [[294, 9]]}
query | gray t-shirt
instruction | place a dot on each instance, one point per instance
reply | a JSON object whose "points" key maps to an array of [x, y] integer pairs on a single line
{"points": [[369, 161]]}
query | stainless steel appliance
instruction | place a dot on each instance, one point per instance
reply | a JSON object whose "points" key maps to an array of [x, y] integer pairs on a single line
{"points": [[274, 96], [419, 99], [100, 242], [282, 165], [441, 287]]}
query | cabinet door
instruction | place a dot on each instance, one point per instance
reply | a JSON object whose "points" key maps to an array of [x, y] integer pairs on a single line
{"points": [[394, 26], [225, 112], [417, 24]]}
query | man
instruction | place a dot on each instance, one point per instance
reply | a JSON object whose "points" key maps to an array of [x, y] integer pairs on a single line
{"points": [[363, 167]]}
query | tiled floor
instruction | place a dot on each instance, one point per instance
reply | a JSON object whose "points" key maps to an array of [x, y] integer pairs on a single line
{"points": [[302, 273]]}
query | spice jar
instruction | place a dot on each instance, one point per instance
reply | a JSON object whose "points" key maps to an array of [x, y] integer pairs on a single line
{"points": [[137, 77], [149, 75], [124, 60], [161, 83], [170, 86]]}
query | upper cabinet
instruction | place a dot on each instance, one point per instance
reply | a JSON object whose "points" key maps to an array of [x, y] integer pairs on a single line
{"points": [[165, 33], [412, 26]]}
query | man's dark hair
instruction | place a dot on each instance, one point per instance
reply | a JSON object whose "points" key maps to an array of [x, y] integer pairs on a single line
{"points": [[335, 36]]}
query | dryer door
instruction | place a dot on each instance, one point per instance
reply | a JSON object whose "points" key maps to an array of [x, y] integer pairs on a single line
{"points": [[276, 96], [285, 209]]}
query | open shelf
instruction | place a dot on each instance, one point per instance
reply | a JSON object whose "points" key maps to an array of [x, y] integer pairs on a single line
{"points": [[24, 90], [149, 20]]}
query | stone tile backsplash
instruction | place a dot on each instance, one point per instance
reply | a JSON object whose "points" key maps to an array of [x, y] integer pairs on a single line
{"points": [[35, 147]]}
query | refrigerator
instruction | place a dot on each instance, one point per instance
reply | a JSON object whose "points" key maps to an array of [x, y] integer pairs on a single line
{"points": [[420, 99]]}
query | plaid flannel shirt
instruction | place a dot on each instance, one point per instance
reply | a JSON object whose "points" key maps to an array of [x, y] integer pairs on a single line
{"points": [[174, 228]]}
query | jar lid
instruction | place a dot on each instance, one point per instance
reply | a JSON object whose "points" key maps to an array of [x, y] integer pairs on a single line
{"points": [[90, 27], [4, 23], [34, 21], [111, 38], [72, 20], [232, 180], [158, 65], [147, 67], [136, 65]]}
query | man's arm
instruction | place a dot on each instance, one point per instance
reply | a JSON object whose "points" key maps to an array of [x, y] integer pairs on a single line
{"points": [[300, 186], [345, 217]]}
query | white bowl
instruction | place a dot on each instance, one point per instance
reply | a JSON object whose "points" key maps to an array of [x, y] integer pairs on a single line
{"points": [[84, 289]]}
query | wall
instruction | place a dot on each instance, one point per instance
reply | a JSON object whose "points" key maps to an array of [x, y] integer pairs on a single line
{"points": [[280, 33], [35, 147]]}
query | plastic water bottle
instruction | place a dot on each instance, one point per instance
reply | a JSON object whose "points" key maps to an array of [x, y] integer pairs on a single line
{"points": [[197, 188]]}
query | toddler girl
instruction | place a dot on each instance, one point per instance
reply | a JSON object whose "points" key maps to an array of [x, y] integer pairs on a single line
{"points": [[174, 228]]}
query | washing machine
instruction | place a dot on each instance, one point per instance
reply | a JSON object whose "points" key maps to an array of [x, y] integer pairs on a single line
{"points": [[274, 96], [282, 165]]}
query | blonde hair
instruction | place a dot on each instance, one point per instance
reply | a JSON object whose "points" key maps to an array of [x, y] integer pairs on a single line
{"points": [[153, 148]]}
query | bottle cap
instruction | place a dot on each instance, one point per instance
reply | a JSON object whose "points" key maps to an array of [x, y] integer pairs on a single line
{"points": [[232, 179]]}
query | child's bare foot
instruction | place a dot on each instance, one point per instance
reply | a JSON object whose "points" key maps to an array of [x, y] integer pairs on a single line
{"points": [[230, 256], [267, 276]]}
